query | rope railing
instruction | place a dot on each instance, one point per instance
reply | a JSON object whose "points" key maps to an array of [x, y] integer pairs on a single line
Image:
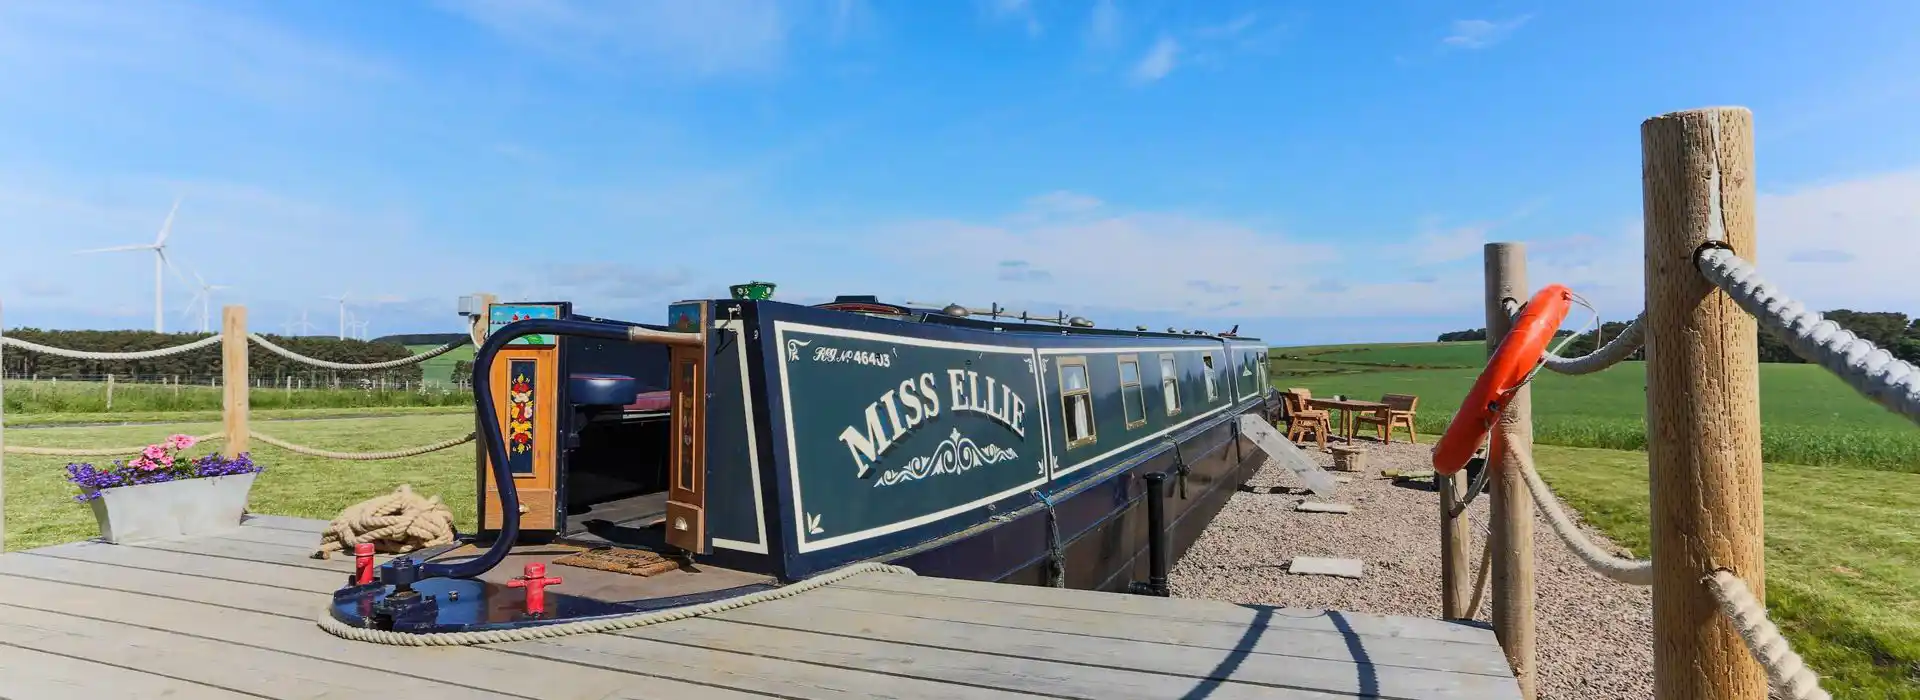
{"points": [[356, 367], [208, 341], [1868, 368], [1785, 669], [1628, 571], [362, 456], [94, 451]]}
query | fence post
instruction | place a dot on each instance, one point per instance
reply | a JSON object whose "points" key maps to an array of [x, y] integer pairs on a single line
{"points": [[478, 332], [1510, 511], [109, 391], [233, 368], [1703, 401], [1453, 549]]}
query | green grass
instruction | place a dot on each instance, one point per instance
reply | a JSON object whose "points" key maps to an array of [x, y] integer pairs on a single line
{"points": [[45, 396], [118, 417], [439, 370], [1808, 416], [1842, 558], [40, 510], [1409, 355]]}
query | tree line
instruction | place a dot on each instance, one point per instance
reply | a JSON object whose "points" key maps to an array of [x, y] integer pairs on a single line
{"points": [[1891, 330], [204, 362]]}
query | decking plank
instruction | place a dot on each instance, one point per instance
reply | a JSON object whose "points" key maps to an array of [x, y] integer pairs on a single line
{"points": [[1144, 607], [760, 674], [1345, 676], [253, 551], [514, 675], [231, 595], [241, 667], [308, 541], [29, 674], [1312, 644], [179, 561], [282, 522], [1012, 673]]}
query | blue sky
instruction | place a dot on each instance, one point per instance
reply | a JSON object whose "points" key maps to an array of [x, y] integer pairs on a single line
{"points": [[1313, 171]]}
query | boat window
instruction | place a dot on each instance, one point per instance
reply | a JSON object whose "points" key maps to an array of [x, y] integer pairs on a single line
{"points": [[1131, 395], [1213, 382], [1170, 383], [1076, 401], [1263, 373]]}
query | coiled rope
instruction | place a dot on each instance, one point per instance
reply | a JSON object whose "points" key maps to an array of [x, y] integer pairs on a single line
{"points": [[605, 624], [1784, 667], [395, 523], [92, 355], [1868, 368], [362, 456], [352, 367], [95, 451]]}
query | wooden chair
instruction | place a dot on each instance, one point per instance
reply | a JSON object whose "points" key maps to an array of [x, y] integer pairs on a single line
{"points": [[1399, 411], [1300, 419]]}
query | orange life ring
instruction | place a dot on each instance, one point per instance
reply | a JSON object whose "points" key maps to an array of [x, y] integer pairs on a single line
{"points": [[1515, 357]]}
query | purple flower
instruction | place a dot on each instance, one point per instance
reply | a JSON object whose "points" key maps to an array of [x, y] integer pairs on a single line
{"points": [[92, 480]]}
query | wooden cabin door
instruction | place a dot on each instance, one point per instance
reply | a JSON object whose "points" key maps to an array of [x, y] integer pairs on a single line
{"points": [[687, 475]]}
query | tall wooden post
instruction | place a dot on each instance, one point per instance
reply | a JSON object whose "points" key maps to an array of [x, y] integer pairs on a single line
{"points": [[233, 371], [478, 330], [1510, 508], [1453, 549], [1703, 401], [3, 442]]}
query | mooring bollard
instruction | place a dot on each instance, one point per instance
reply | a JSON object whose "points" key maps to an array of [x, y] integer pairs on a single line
{"points": [[363, 563], [534, 579]]}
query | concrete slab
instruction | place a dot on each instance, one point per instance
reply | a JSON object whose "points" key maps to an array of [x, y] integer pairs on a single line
{"points": [[1318, 566], [1312, 507]]}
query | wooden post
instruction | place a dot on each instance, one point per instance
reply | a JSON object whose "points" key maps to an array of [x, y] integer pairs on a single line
{"points": [[109, 391], [1510, 509], [233, 368], [1454, 578], [1703, 401], [478, 331]]}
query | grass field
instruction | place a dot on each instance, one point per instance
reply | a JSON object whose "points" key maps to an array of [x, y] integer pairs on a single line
{"points": [[46, 396], [40, 510], [439, 370], [1842, 487], [1808, 416]]}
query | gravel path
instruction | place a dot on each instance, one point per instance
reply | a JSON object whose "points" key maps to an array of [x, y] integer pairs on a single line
{"points": [[1594, 637]]}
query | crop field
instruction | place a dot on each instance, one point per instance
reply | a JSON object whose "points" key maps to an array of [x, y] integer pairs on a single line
{"points": [[438, 372], [1808, 416], [86, 397], [1842, 486]]}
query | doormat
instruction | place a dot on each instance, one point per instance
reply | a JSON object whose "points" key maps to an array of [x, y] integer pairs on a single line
{"points": [[638, 562]]}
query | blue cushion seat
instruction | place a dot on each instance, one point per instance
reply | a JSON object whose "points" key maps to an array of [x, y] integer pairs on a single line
{"points": [[602, 389]]}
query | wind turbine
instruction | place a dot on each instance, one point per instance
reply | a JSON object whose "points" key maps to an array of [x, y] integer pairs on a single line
{"points": [[205, 297], [160, 264], [343, 312]]}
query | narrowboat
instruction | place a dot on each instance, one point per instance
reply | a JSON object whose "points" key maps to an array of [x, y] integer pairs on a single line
{"points": [[748, 443]]}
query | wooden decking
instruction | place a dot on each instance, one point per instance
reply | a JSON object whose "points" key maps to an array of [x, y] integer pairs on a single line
{"points": [[233, 617]]}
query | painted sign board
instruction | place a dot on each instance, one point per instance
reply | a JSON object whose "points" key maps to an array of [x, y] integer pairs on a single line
{"points": [[900, 431], [499, 315]]}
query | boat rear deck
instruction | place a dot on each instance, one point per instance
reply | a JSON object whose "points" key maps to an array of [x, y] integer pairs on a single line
{"points": [[232, 616]]}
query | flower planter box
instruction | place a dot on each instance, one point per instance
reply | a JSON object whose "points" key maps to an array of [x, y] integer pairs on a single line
{"points": [[160, 493], [172, 508]]}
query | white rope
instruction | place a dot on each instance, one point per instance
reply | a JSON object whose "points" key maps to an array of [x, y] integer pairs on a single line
{"points": [[362, 456], [92, 452], [351, 367], [91, 355], [1785, 668], [1871, 370], [1614, 352], [1630, 571], [607, 624]]}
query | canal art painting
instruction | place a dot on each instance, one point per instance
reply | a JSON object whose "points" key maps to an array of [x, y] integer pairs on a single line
{"points": [[900, 431], [499, 315], [520, 412]]}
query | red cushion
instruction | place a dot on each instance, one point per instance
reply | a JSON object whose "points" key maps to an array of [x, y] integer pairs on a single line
{"points": [[652, 401]]}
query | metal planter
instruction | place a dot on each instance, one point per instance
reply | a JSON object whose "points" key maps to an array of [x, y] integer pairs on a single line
{"points": [[178, 508]]}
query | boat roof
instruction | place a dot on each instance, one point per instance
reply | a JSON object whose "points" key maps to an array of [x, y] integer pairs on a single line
{"points": [[1007, 320]]}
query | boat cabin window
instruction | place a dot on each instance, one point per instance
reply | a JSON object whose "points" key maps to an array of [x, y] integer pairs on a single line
{"points": [[1263, 373], [1170, 383], [1076, 401], [1213, 383], [1131, 395]]}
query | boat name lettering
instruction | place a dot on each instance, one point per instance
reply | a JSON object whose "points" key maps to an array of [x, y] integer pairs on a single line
{"points": [[916, 400]]}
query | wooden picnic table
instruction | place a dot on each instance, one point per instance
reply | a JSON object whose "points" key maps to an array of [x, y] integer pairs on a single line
{"points": [[1346, 407]]}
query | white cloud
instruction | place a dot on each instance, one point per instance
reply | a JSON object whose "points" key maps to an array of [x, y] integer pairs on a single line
{"points": [[1480, 33], [705, 38], [1846, 244], [1016, 11], [1158, 62], [1103, 25]]}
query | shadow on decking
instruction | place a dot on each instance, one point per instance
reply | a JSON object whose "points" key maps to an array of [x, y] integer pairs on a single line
{"points": [[1367, 681]]}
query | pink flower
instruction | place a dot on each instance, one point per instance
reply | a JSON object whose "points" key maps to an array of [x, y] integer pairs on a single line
{"points": [[154, 452], [165, 460], [181, 442], [144, 464]]}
